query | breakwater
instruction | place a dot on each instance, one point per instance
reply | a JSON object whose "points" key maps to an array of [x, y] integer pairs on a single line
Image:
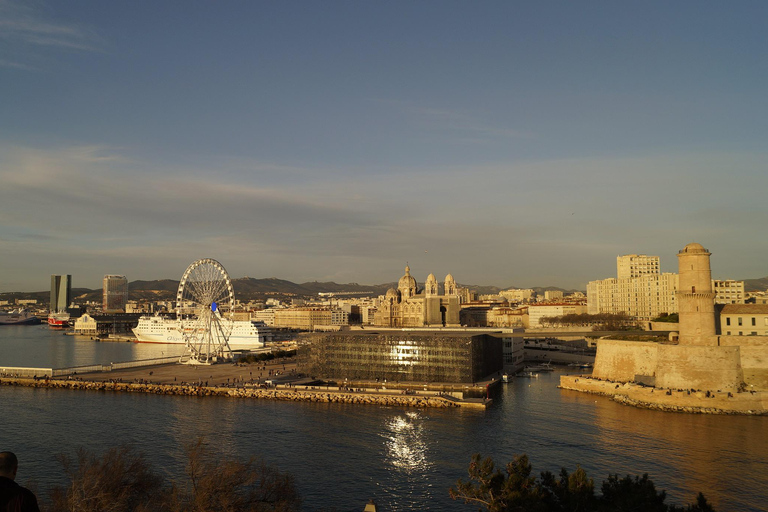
{"points": [[290, 394], [671, 400]]}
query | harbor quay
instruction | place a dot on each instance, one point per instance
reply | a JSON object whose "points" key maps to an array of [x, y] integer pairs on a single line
{"points": [[272, 380], [671, 400]]}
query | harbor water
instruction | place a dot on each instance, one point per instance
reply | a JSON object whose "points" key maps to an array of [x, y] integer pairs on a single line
{"points": [[342, 455]]}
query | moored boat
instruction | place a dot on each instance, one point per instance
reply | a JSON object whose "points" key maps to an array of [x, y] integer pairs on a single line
{"points": [[158, 329], [543, 367], [58, 319], [18, 317]]}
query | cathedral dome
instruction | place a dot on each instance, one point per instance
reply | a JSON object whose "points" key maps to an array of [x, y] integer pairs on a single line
{"points": [[407, 281], [391, 293]]}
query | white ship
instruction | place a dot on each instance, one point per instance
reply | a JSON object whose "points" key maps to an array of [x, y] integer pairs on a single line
{"points": [[157, 329]]}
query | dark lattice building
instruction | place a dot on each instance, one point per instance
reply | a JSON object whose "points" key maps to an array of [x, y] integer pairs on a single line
{"points": [[402, 356]]}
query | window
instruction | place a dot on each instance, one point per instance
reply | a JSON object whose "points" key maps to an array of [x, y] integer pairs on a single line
{"points": [[754, 320], [728, 321], [739, 320]]}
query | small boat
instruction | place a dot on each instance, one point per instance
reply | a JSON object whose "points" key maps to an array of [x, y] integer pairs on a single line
{"points": [[506, 378], [528, 374], [544, 367]]}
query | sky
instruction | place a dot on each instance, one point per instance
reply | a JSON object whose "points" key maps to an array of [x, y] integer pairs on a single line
{"points": [[508, 143]]}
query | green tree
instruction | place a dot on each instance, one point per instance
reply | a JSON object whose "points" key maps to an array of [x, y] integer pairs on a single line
{"points": [[498, 492], [517, 490]]}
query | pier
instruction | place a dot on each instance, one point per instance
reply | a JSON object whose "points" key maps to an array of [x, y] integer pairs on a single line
{"points": [[271, 380]]}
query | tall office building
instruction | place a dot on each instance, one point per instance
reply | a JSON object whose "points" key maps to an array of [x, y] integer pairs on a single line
{"points": [[115, 293], [61, 292]]}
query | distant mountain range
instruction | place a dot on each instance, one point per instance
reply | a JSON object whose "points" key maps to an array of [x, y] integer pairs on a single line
{"points": [[248, 288]]}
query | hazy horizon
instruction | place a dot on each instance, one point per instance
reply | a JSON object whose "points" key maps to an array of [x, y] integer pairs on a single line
{"points": [[501, 142]]}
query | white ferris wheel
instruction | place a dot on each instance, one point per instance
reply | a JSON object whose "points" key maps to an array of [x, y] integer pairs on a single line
{"points": [[204, 306]]}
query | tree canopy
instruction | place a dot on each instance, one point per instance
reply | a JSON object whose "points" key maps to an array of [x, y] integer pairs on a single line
{"points": [[517, 490]]}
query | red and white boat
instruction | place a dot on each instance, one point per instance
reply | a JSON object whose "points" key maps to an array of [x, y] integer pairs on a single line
{"points": [[58, 319]]}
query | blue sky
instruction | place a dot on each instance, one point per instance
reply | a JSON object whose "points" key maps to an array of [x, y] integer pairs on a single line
{"points": [[508, 143]]}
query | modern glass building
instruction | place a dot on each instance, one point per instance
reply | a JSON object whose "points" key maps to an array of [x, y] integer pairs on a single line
{"points": [[115, 294], [61, 292], [402, 356]]}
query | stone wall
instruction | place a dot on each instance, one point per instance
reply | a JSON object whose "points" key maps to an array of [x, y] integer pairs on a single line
{"points": [[623, 360], [754, 358], [293, 395], [663, 326], [698, 367], [737, 359], [752, 403]]}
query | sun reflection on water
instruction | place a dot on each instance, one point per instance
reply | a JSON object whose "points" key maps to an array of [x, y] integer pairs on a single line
{"points": [[405, 444]]}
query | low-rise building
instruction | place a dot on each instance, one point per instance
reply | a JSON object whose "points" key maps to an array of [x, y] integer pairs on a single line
{"points": [[744, 320], [538, 311], [518, 294], [304, 319], [403, 356], [553, 295]]}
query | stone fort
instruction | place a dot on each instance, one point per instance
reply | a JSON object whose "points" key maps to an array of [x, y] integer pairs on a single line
{"points": [[698, 358]]}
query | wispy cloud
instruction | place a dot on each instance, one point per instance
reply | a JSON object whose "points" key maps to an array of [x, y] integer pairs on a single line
{"points": [[556, 222], [464, 126], [25, 31], [16, 65]]}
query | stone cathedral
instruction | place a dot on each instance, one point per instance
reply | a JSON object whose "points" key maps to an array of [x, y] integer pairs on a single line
{"points": [[410, 307]]}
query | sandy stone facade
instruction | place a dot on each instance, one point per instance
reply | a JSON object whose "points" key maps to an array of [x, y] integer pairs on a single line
{"points": [[407, 306], [699, 359]]}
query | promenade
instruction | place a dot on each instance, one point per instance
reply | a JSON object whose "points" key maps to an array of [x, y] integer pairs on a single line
{"points": [[275, 380]]}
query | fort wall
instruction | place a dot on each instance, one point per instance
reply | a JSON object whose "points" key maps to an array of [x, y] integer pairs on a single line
{"points": [[754, 358], [699, 367], [622, 360]]}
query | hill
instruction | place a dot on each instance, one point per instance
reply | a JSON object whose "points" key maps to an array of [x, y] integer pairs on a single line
{"points": [[756, 285]]}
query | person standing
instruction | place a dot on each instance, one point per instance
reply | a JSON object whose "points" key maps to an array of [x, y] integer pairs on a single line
{"points": [[13, 497]]}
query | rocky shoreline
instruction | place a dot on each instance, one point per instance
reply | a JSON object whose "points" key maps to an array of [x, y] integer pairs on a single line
{"points": [[698, 402], [292, 394]]}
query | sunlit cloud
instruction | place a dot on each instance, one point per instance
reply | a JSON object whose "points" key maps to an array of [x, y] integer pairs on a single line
{"points": [[559, 221]]}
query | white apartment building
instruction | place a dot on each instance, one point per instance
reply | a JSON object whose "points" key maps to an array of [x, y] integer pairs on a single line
{"points": [[642, 292], [728, 291], [303, 318], [644, 297], [636, 265], [518, 295], [538, 311], [265, 315]]}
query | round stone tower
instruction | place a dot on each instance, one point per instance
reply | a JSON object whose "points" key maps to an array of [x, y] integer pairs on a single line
{"points": [[695, 298]]}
